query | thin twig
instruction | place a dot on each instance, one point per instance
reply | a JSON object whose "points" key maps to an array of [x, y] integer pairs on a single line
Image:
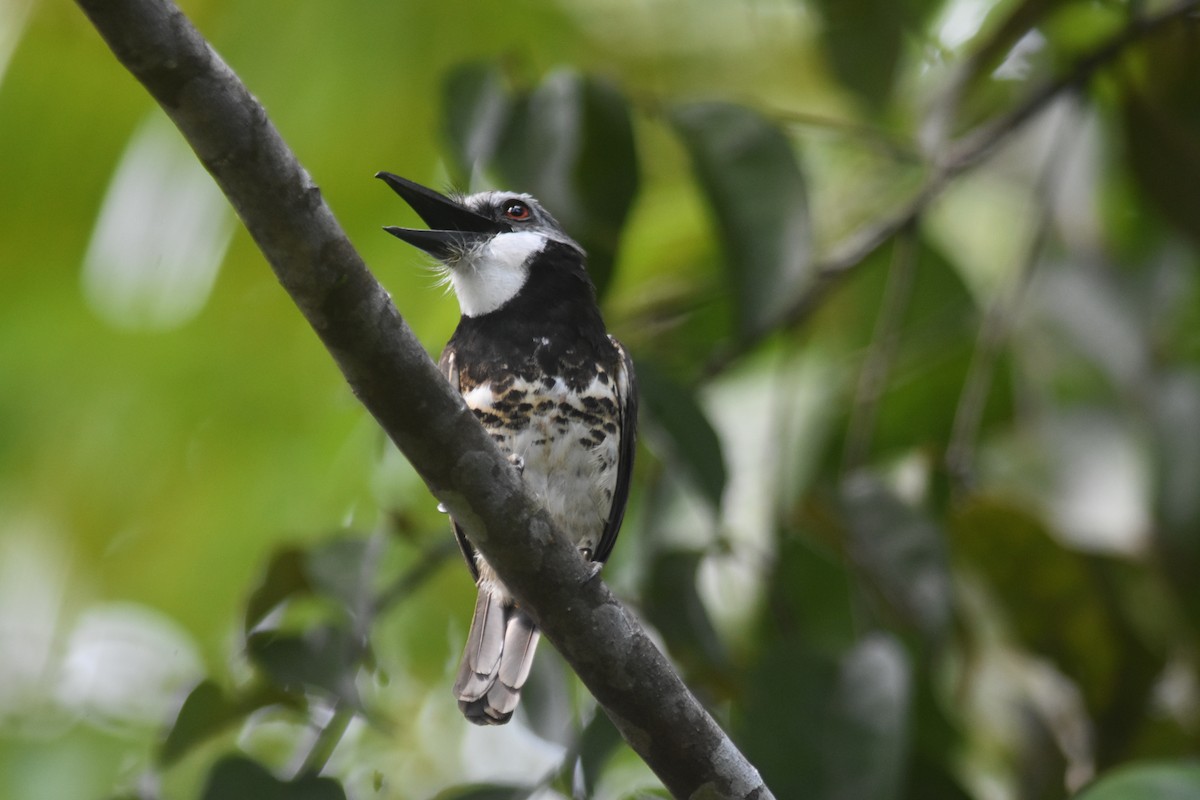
{"points": [[327, 740], [997, 322], [879, 139], [427, 565], [884, 344]]}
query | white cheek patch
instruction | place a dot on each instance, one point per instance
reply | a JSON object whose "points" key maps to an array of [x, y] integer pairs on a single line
{"points": [[488, 278]]}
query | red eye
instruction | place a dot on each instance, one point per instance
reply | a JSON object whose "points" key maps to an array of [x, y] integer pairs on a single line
{"points": [[516, 210]]}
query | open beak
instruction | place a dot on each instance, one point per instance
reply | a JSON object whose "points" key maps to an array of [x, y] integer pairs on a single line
{"points": [[452, 226]]}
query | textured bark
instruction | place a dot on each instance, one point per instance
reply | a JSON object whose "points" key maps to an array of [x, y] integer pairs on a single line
{"points": [[395, 379]]}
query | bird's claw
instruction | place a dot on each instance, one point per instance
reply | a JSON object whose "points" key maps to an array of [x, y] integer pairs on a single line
{"points": [[518, 463], [593, 566]]}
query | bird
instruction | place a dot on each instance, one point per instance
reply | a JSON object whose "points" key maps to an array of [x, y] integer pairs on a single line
{"points": [[535, 364]]}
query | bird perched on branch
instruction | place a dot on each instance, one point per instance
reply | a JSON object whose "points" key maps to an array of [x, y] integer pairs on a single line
{"points": [[534, 363]]}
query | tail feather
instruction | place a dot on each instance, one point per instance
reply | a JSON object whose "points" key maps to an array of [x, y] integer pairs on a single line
{"points": [[485, 645], [496, 661]]}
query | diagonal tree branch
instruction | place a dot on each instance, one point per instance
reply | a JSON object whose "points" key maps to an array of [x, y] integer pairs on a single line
{"points": [[391, 374]]}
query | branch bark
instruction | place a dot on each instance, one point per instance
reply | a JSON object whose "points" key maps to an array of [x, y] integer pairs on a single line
{"points": [[395, 379]]}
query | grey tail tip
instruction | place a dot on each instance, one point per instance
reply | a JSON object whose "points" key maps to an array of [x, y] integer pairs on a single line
{"points": [[480, 712], [496, 660]]}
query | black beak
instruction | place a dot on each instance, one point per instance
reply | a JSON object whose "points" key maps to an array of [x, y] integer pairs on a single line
{"points": [[452, 226]]}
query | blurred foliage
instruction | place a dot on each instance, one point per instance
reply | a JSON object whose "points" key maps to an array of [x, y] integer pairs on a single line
{"points": [[919, 524]]}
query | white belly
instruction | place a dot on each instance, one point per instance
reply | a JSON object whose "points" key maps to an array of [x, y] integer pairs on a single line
{"points": [[568, 456]]}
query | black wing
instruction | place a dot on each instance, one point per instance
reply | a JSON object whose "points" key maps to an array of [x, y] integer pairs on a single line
{"points": [[627, 403], [448, 364]]}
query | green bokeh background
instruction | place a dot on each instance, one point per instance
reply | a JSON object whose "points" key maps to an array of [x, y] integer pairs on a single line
{"points": [[152, 461]]}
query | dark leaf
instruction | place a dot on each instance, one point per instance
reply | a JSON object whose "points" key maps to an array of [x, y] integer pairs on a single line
{"points": [[931, 772], [1044, 589], [1060, 604], [930, 780], [810, 598], [570, 143], [672, 603], [208, 710], [345, 569], [1162, 127], [1179, 780], [863, 41], [205, 712], [548, 699], [286, 576], [691, 442], [935, 340], [239, 778], [325, 658], [1176, 420], [900, 551], [820, 727], [1165, 156], [757, 195], [598, 741], [477, 105]]}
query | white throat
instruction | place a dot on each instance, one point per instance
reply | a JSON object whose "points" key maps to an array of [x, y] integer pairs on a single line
{"points": [[487, 278]]}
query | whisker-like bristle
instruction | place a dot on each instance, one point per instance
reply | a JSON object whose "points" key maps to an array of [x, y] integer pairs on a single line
{"points": [[440, 275]]}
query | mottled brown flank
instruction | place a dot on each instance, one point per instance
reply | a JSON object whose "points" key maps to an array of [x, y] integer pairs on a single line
{"points": [[513, 409]]}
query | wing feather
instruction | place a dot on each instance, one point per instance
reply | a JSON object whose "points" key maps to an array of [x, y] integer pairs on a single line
{"points": [[627, 407], [448, 365]]}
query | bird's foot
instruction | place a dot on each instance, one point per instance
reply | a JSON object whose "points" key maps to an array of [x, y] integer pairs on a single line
{"points": [[593, 566], [518, 463]]}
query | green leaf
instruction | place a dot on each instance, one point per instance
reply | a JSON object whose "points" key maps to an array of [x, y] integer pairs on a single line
{"points": [[692, 444], [1168, 780], [598, 741], [900, 551], [811, 597], [1049, 594], [758, 199], [937, 340], [821, 727], [672, 604], [325, 657], [286, 577], [208, 710], [1162, 127], [1176, 409], [205, 712], [239, 778], [570, 143], [863, 40]]}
